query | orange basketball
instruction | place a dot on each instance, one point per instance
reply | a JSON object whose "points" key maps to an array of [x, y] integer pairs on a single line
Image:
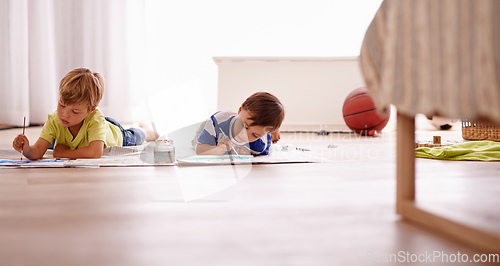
{"points": [[360, 113]]}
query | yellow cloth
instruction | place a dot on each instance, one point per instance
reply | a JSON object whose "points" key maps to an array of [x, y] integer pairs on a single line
{"points": [[95, 127], [468, 151], [435, 57]]}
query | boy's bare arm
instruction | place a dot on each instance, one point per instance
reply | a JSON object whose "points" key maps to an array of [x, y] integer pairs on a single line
{"points": [[94, 150], [207, 149], [34, 152]]}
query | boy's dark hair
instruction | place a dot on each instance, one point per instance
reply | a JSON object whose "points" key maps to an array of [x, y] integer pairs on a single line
{"points": [[265, 110]]}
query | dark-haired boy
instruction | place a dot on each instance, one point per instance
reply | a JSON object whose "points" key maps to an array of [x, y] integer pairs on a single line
{"points": [[247, 132]]}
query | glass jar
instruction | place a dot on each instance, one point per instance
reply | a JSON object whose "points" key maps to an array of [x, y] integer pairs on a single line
{"points": [[164, 151]]}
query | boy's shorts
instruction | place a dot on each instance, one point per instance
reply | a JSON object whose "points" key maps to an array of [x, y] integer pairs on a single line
{"points": [[131, 136]]}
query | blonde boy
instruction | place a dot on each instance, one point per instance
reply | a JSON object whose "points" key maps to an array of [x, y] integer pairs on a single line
{"points": [[78, 128]]}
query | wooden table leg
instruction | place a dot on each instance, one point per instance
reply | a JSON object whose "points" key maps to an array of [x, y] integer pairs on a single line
{"points": [[405, 169], [406, 202]]}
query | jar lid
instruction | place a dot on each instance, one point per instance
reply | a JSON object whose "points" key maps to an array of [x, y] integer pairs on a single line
{"points": [[164, 142]]}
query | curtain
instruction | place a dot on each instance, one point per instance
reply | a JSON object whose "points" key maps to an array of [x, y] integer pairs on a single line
{"points": [[42, 40], [14, 68]]}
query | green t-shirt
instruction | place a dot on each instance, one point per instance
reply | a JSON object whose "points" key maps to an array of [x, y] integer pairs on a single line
{"points": [[94, 127]]}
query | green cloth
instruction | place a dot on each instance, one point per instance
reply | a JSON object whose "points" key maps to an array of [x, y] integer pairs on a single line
{"points": [[468, 151]]}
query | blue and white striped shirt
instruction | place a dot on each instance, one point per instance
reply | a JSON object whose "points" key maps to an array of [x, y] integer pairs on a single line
{"points": [[223, 121]]}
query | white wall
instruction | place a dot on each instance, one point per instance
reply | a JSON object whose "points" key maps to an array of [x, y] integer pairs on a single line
{"points": [[181, 37], [313, 89]]}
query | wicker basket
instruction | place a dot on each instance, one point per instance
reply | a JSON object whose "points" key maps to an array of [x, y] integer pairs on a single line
{"points": [[480, 131]]}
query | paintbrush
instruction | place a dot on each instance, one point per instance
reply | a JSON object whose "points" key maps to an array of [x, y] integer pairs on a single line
{"points": [[232, 148], [230, 156], [24, 130]]}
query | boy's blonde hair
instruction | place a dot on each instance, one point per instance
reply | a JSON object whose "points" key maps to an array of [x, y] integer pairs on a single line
{"points": [[82, 85]]}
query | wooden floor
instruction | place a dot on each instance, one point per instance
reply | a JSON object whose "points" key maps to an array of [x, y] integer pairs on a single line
{"points": [[337, 213]]}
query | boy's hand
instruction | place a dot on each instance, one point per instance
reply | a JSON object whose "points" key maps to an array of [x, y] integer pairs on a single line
{"points": [[243, 150], [21, 143], [224, 145], [59, 150], [275, 136]]}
